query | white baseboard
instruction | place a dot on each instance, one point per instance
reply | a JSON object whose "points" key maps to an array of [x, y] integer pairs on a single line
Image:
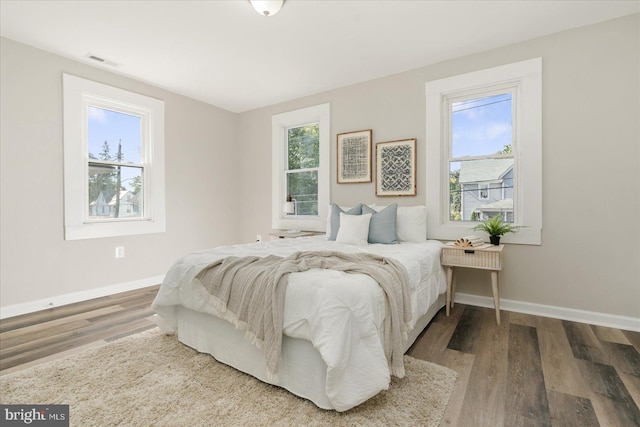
{"points": [[591, 317], [60, 300]]}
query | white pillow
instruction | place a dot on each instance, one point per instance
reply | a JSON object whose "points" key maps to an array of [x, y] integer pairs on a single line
{"points": [[328, 221], [354, 229], [411, 225]]}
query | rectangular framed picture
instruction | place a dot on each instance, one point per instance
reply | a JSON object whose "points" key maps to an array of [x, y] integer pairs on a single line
{"points": [[354, 157], [396, 168]]}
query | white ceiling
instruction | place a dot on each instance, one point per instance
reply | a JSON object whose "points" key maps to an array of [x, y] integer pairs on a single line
{"points": [[225, 54]]}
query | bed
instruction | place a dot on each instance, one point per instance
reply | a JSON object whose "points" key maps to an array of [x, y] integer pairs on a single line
{"points": [[333, 328]]}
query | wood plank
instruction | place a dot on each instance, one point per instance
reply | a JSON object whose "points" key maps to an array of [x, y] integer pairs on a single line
{"points": [[561, 373], [43, 333], [63, 341], [52, 357], [54, 339], [145, 327], [624, 357], [526, 399], [571, 411], [633, 337], [28, 330], [465, 336], [632, 383], [136, 301], [71, 309], [626, 361], [610, 398], [431, 343], [138, 307], [486, 393], [102, 334], [462, 363], [453, 318], [523, 319], [584, 343], [610, 335]]}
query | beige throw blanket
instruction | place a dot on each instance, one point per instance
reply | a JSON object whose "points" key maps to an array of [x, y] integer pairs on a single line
{"points": [[249, 292]]}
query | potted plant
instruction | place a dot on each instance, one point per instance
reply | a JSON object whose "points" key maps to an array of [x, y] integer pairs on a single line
{"points": [[496, 228]]}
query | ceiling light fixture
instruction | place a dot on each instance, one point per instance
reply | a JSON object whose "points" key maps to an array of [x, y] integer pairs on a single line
{"points": [[267, 7]]}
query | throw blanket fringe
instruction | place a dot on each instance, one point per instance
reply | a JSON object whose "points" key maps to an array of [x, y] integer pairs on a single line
{"points": [[249, 293]]}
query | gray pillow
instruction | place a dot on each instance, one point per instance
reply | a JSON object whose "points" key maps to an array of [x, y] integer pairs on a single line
{"points": [[382, 228], [335, 217]]}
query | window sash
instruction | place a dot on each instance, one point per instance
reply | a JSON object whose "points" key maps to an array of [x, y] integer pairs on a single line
{"points": [[288, 171], [510, 87], [90, 100], [304, 202]]}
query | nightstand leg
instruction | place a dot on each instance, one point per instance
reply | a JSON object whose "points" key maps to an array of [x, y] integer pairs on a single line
{"points": [[496, 295], [453, 288], [449, 279]]}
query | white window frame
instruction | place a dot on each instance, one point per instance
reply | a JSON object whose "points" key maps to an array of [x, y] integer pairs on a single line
{"points": [[280, 124], [526, 77], [78, 95], [482, 187]]}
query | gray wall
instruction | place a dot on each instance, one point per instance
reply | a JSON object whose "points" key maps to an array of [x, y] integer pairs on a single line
{"points": [[591, 163], [37, 263]]}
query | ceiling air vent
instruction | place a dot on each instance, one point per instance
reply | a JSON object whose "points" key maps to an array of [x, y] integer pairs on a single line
{"points": [[101, 60]]}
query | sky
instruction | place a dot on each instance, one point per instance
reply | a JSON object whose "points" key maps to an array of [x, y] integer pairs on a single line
{"points": [[113, 127], [481, 126]]}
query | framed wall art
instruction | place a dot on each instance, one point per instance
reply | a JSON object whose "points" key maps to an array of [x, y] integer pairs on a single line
{"points": [[354, 157], [396, 168]]}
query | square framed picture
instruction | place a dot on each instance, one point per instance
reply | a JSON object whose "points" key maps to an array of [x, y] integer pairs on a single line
{"points": [[396, 168], [354, 157]]}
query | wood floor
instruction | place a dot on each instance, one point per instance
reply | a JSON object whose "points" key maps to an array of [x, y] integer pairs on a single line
{"points": [[530, 371], [33, 338], [534, 371]]}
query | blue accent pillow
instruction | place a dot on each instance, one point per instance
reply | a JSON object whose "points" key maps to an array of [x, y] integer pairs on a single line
{"points": [[382, 228], [335, 217]]}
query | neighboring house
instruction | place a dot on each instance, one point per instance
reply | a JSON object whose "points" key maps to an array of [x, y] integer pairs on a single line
{"points": [[487, 189], [99, 206], [129, 205]]}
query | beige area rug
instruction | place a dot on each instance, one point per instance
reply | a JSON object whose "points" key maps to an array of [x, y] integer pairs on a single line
{"points": [[150, 379]]}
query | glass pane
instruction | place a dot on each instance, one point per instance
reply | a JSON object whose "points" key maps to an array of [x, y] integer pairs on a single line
{"points": [[303, 147], [303, 188], [113, 136], [481, 126], [481, 189], [103, 182]]}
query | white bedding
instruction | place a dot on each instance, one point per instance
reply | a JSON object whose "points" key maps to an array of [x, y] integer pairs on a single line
{"points": [[340, 314]]}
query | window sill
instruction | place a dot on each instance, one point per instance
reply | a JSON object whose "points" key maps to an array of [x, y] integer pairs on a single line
{"points": [[113, 229]]}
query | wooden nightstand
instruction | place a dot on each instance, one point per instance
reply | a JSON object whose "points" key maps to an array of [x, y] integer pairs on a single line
{"points": [[484, 258], [284, 234]]}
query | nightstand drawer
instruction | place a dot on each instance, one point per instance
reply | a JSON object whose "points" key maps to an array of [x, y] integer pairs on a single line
{"points": [[473, 258]]}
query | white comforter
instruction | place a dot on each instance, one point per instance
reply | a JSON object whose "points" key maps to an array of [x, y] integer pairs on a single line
{"points": [[341, 314]]}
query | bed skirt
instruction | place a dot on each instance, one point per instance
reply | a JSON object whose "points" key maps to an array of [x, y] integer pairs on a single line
{"points": [[302, 369]]}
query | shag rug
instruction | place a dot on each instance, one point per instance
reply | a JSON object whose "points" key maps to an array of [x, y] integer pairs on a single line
{"points": [[151, 379]]}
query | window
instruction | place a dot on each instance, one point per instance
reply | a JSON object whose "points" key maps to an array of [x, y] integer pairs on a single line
{"points": [[303, 161], [113, 161], [480, 139], [115, 180], [484, 151], [300, 147]]}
